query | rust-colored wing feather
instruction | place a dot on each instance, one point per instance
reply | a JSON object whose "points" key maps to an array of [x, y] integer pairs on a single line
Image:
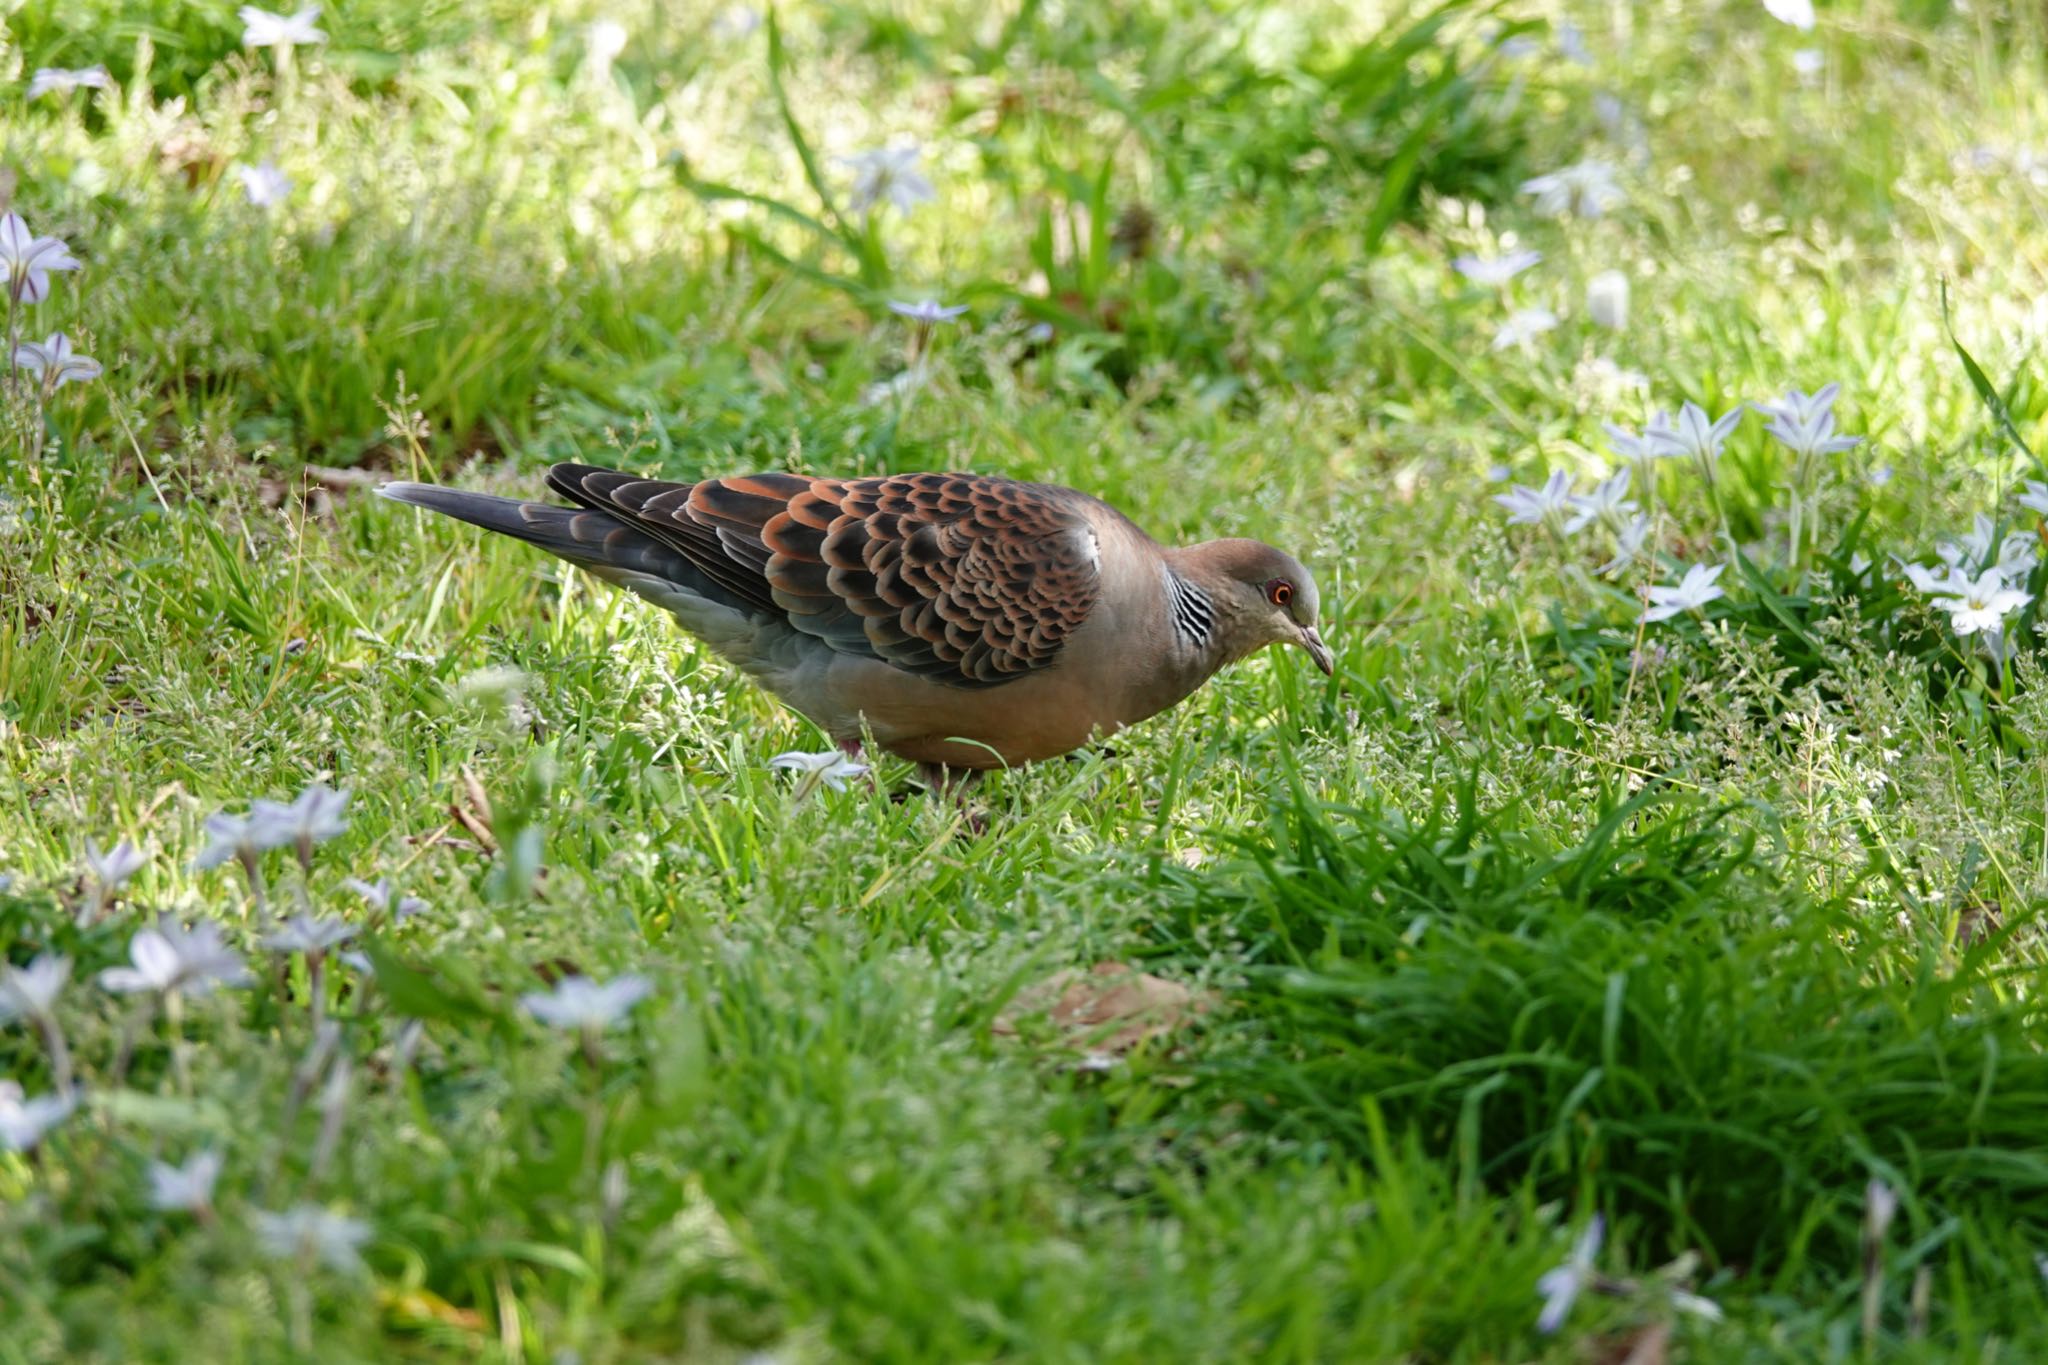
{"points": [[969, 579]]}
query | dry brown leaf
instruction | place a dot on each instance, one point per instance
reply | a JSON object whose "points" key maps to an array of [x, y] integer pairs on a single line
{"points": [[1647, 1345], [1110, 1008]]}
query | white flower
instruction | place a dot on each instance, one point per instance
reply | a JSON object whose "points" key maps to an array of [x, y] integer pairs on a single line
{"points": [[1607, 300], [30, 259], [169, 958], [314, 816], [1586, 188], [264, 185], [1983, 604], [24, 1121], [1798, 13], [309, 1232], [1542, 506], [261, 28], [1607, 502], [1880, 1206], [55, 361], [62, 81], [831, 767], [1694, 591], [1561, 1285], [1628, 543], [1950, 581], [1695, 435], [577, 1002], [1808, 62], [31, 992], [2035, 499], [927, 311], [2014, 556], [604, 41], [115, 866], [310, 934], [1523, 327], [896, 387], [1687, 1302], [889, 173], [378, 894], [1805, 422], [187, 1188], [1495, 270]]}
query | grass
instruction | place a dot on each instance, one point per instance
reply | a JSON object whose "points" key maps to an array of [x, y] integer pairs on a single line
{"points": [[1532, 913]]}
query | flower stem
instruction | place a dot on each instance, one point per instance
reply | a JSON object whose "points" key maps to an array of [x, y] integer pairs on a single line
{"points": [[174, 1026], [60, 1055]]}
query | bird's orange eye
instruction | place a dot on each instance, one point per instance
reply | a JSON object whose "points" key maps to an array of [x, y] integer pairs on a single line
{"points": [[1279, 592]]}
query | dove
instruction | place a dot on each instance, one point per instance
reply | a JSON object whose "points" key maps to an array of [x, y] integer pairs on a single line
{"points": [[962, 621]]}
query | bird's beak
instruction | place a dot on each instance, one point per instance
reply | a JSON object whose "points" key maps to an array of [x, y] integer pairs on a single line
{"points": [[1318, 651]]}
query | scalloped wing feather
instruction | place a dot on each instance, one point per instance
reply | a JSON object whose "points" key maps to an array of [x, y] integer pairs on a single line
{"points": [[964, 578]]}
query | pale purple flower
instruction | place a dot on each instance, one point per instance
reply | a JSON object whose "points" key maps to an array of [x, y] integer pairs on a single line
{"points": [[1628, 544], [1693, 591], [1571, 44], [1808, 62], [577, 1002], [29, 259], [1655, 442], [242, 836], [307, 1232], [25, 1121], [927, 311], [116, 865], [1697, 436], [1495, 270], [1561, 1285], [169, 958], [314, 816], [310, 934], [1804, 423], [59, 80], [264, 185], [1607, 503], [187, 1188], [1542, 506], [379, 895], [1586, 188], [889, 173], [261, 28], [2035, 499], [55, 361], [31, 992]]}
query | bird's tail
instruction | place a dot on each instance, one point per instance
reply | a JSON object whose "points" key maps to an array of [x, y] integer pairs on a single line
{"points": [[591, 540]]}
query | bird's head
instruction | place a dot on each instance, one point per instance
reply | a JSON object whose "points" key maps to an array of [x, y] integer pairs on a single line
{"points": [[1269, 596]]}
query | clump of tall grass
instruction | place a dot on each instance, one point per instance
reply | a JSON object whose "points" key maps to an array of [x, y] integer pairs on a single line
{"points": [[1656, 1021]]}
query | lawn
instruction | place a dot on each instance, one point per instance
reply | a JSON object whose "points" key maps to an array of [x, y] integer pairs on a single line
{"points": [[1631, 953]]}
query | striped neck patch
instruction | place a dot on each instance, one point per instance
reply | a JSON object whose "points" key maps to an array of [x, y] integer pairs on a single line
{"points": [[1194, 617]]}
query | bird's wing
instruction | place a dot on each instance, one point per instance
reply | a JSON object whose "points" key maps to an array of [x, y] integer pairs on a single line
{"points": [[968, 579]]}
